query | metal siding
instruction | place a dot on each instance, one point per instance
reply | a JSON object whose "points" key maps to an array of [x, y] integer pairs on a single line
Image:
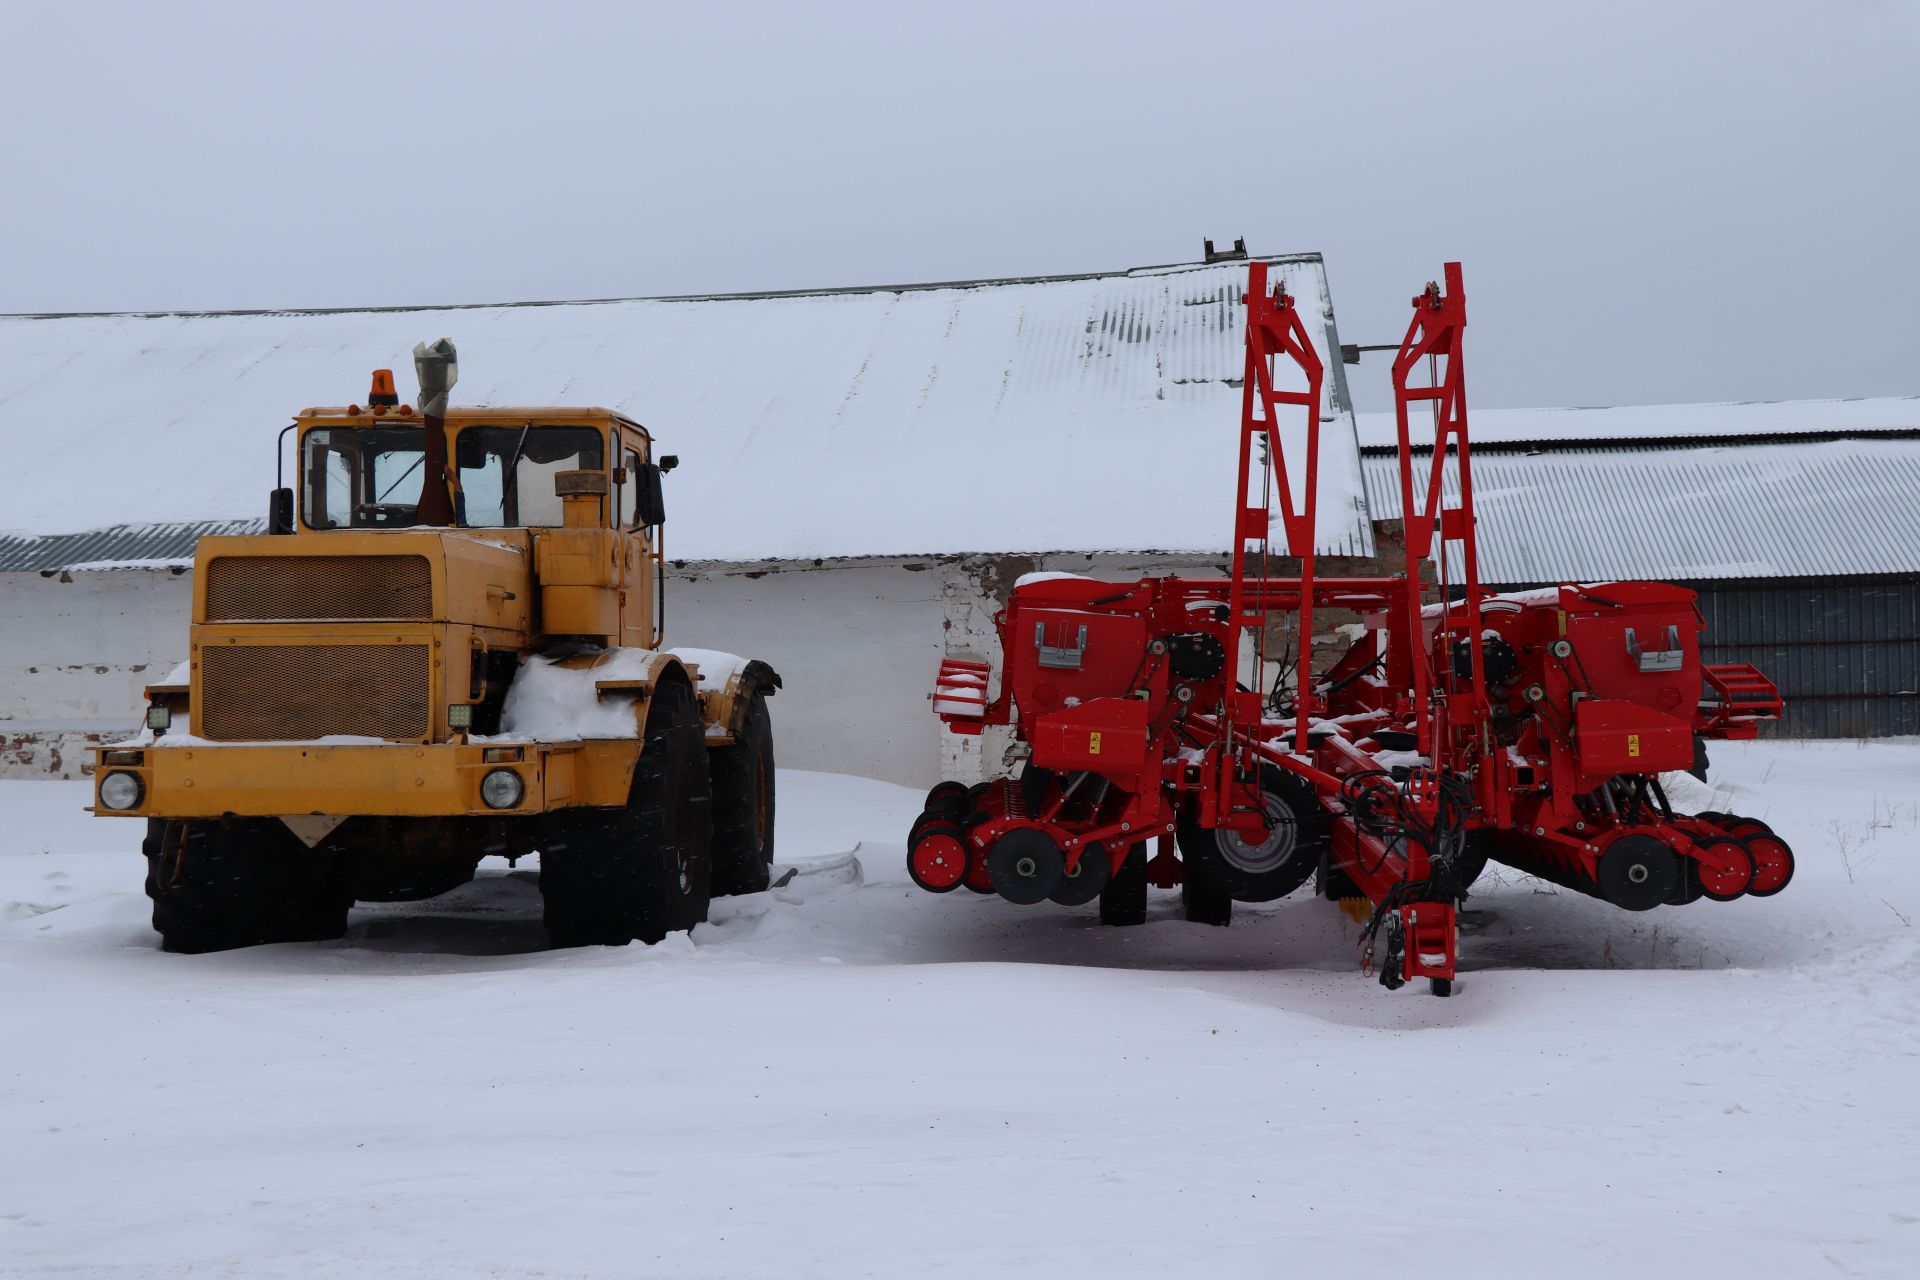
{"points": [[1762, 511], [1846, 655]]}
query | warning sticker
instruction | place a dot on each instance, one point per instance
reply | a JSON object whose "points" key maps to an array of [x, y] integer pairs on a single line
{"points": [[1093, 745]]}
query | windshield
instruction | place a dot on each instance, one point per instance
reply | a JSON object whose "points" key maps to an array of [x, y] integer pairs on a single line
{"points": [[371, 477], [363, 477]]}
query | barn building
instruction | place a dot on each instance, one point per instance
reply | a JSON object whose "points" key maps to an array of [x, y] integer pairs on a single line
{"points": [[866, 471]]}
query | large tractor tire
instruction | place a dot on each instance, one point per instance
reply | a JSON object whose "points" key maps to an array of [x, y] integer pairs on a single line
{"points": [[218, 884], [1221, 863], [743, 805], [610, 876]]}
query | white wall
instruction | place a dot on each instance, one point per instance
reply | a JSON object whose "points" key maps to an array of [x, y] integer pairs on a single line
{"points": [[76, 652], [856, 642]]}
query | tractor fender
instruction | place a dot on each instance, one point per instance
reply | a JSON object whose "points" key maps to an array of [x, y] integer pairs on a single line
{"points": [[582, 695], [726, 683]]}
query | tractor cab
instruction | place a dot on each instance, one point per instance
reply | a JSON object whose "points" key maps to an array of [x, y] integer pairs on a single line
{"points": [[362, 471]]}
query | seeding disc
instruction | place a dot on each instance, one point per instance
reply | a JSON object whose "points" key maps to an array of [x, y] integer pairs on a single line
{"points": [[1725, 882], [1088, 877], [1637, 873], [1772, 864], [1025, 865]]}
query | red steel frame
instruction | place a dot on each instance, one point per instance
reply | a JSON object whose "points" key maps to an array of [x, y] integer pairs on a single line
{"points": [[1434, 335], [1274, 330]]}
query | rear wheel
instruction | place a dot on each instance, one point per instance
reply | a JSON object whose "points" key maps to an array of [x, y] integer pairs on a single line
{"points": [[610, 876], [743, 805], [1123, 900], [218, 884], [1259, 870], [1204, 894]]}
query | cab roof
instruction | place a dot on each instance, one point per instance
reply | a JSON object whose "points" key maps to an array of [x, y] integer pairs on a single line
{"points": [[474, 413]]}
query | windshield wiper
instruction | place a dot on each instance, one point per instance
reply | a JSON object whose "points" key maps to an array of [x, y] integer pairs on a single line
{"points": [[513, 463]]}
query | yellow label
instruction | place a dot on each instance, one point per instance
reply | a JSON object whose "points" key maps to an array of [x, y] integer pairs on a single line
{"points": [[1633, 744], [1093, 745]]}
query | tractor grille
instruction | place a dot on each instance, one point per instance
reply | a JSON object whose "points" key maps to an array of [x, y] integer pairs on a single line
{"points": [[296, 692], [315, 588]]}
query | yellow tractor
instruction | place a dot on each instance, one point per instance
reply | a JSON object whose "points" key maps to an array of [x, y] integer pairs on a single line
{"points": [[448, 648]]}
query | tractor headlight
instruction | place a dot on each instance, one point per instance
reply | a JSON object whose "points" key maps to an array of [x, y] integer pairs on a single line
{"points": [[121, 791], [159, 718], [501, 789]]}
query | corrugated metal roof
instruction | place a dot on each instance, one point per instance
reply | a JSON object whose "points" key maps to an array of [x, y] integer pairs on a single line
{"points": [[1642, 422], [1092, 413], [1687, 512], [121, 546]]}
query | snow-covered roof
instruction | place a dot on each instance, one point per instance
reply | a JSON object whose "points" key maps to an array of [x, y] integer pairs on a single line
{"points": [[1753, 418], [1084, 413], [1816, 507]]}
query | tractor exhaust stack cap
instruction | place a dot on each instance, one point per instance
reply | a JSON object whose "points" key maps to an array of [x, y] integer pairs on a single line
{"points": [[438, 367]]}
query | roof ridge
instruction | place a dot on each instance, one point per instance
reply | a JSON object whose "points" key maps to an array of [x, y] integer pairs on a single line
{"points": [[756, 295]]}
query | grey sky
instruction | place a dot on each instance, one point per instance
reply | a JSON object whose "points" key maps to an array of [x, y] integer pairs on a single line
{"points": [[1652, 201]]}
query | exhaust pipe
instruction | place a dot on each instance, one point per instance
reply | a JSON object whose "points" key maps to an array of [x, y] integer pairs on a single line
{"points": [[438, 368]]}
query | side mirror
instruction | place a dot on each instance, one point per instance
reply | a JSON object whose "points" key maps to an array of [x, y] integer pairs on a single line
{"points": [[280, 511], [649, 505]]}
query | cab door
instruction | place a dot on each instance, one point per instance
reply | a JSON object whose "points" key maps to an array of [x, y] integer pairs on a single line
{"points": [[639, 619]]}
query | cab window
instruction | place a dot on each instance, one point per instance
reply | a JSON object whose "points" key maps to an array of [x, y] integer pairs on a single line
{"points": [[506, 472], [629, 489]]}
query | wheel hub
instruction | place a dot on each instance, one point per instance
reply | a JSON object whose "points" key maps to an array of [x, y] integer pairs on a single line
{"points": [[1267, 854]]}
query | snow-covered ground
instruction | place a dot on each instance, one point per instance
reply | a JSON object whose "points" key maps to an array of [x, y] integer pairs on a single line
{"points": [[844, 1079]]}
